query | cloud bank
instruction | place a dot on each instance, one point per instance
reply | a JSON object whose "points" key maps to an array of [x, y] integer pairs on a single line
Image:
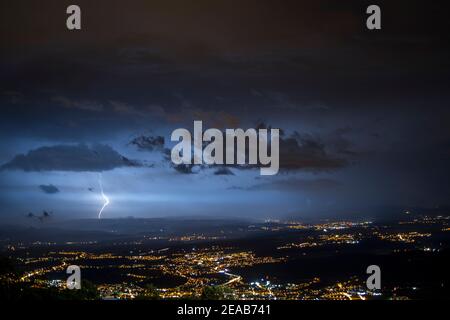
{"points": [[80, 157]]}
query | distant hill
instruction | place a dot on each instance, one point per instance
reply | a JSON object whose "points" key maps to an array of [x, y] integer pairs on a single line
{"points": [[111, 229]]}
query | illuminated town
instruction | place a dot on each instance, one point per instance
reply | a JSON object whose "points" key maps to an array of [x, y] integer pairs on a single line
{"points": [[267, 260]]}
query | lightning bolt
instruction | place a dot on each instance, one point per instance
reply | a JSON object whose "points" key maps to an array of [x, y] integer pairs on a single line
{"points": [[105, 198]]}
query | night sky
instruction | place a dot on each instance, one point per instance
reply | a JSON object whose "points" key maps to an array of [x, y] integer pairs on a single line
{"points": [[365, 114]]}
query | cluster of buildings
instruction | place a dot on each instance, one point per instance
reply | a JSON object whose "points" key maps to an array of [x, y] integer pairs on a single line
{"points": [[196, 267]]}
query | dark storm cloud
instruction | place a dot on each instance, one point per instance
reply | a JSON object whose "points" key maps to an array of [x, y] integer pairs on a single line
{"points": [[180, 168], [304, 152], [49, 188], [319, 50], [42, 218], [148, 143], [70, 158], [341, 144], [287, 59], [312, 66], [223, 172], [296, 152]]}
